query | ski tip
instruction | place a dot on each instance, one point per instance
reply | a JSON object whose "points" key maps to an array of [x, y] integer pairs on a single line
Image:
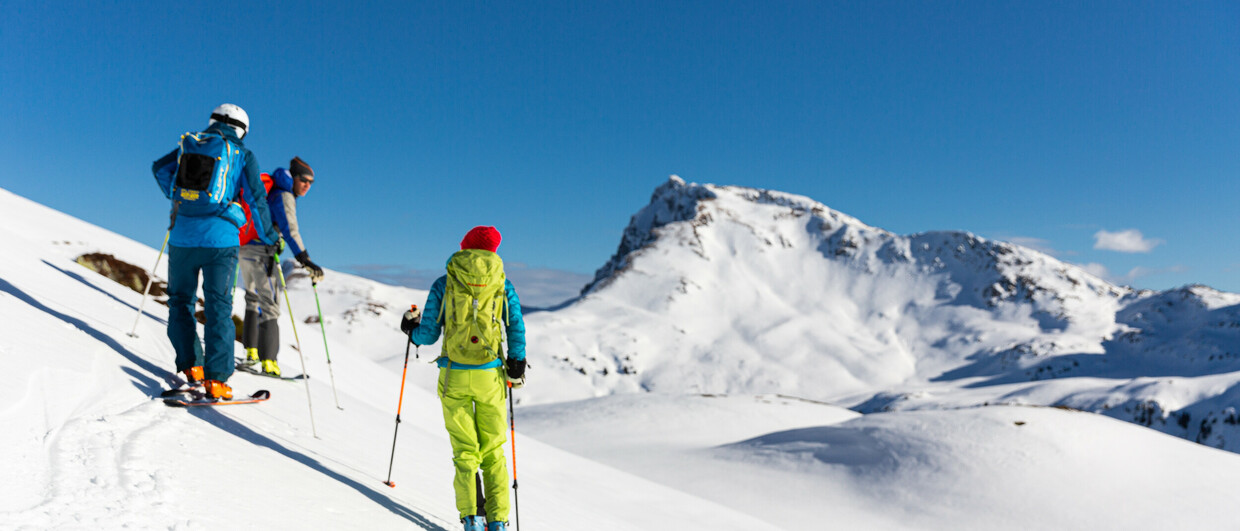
{"points": [[261, 394]]}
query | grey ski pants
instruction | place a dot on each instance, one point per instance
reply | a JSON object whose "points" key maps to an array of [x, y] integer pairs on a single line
{"points": [[262, 285]]}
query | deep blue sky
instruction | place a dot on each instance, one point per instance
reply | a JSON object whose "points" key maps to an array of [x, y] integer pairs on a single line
{"points": [[1038, 122]]}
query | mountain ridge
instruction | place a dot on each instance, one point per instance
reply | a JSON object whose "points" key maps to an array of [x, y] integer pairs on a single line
{"points": [[786, 295]]}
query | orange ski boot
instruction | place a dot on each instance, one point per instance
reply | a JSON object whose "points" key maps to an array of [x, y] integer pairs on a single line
{"points": [[219, 390], [193, 375]]}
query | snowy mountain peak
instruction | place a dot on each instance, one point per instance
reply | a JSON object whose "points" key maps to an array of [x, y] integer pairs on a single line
{"points": [[727, 289], [973, 270]]}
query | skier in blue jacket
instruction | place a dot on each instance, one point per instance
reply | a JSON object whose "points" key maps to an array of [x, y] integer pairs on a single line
{"points": [[209, 245]]}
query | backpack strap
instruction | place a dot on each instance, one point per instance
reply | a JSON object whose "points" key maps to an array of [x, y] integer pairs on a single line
{"points": [[443, 302]]}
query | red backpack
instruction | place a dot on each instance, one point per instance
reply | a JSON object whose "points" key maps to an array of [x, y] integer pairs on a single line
{"points": [[247, 231]]}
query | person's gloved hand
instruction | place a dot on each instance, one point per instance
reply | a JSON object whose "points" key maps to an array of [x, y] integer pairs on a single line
{"points": [[516, 373], [316, 272], [272, 252], [411, 319]]}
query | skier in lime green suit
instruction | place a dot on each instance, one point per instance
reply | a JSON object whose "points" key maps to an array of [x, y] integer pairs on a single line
{"points": [[475, 307]]}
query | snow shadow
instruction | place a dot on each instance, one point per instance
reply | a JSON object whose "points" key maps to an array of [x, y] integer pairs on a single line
{"points": [[824, 444], [219, 420], [83, 280], [145, 383], [1119, 362]]}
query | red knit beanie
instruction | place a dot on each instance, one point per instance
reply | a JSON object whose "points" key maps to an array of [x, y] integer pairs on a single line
{"points": [[485, 238]]}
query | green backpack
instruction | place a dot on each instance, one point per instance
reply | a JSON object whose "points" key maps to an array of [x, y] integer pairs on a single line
{"points": [[473, 312]]}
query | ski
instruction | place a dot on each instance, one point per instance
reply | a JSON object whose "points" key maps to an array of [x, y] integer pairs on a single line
{"points": [[177, 391], [197, 398], [180, 387], [251, 369]]}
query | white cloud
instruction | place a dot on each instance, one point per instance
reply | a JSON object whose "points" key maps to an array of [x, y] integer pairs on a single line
{"points": [[1125, 241]]}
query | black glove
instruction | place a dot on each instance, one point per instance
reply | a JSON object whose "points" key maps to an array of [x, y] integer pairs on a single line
{"points": [[272, 252], [516, 372], [316, 272], [411, 319]]}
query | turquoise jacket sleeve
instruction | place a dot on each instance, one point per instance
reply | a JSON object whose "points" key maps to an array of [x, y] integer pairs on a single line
{"points": [[165, 169], [428, 331], [516, 324]]}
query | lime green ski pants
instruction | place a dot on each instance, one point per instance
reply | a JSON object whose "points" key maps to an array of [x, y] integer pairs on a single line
{"points": [[475, 415]]}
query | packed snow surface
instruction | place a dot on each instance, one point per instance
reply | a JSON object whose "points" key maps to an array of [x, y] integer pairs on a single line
{"points": [[748, 360]]}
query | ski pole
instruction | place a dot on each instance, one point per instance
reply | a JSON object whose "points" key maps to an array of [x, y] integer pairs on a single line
{"points": [[399, 402], [512, 436], [323, 327], [293, 320], [149, 280]]}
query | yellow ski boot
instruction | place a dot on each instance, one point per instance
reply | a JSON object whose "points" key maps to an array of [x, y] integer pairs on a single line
{"points": [[271, 368]]}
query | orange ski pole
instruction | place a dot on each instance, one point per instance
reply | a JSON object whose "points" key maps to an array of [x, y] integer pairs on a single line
{"points": [[408, 341]]}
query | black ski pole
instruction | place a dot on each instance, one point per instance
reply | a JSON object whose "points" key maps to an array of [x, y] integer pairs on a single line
{"points": [[409, 341], [512, 436]]}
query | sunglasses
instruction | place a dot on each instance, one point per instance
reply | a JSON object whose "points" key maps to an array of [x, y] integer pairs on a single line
{"points": [[304, 179]]}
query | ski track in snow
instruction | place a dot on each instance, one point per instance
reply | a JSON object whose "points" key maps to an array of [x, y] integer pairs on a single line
{"points": [[101, 476]]}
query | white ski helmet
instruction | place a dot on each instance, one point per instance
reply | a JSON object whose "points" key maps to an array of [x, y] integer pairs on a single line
{"points": [[232, 115]]}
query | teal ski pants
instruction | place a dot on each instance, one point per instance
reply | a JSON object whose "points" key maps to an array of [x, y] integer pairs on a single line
{"points": [[217, 267]]}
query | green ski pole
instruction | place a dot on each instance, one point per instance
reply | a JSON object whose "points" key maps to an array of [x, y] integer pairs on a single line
{"points": [[293, 320], [323, 327]]}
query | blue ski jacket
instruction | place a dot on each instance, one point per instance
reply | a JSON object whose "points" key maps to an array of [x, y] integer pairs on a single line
{"points": [[283, 206], [217, 231], [428, 331]]}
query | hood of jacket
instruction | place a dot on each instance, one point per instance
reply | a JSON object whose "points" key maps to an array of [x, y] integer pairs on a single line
{"points": [[227, 131], [282, 179]]}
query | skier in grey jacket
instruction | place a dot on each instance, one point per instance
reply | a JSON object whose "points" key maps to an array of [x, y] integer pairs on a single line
{"points": [[261, 331]]}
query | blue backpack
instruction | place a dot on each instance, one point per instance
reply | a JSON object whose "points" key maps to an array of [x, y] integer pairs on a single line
{"points": [[208, 172]]}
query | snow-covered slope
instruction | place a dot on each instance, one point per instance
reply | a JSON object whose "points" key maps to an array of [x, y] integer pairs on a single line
{"points": [[719, 289], [84, 445], [977, 468]]}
